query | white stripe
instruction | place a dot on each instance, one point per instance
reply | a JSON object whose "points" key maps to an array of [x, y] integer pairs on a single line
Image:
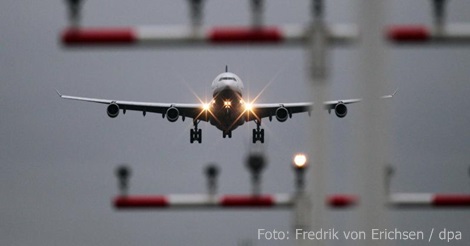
{"points": [[411, 198], [454, 32], [192, 200], [168, 34], [283, 200]]}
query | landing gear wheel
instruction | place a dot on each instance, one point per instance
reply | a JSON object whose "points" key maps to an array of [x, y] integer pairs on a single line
{"points": [[261, 137], [191, 136], [199, 136], [258, 133], [195, 134], [254, 136]]}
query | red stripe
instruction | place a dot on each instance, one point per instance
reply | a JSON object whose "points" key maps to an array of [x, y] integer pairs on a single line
{"points": [[245, 35], [341, 200], [140, 201], [98, 36], [451, 200], [246, 201], [408, 33]]}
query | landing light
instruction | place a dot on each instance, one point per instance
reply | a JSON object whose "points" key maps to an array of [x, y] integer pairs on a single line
{"points": [[206, 106], [300, 161], [248, 107]]}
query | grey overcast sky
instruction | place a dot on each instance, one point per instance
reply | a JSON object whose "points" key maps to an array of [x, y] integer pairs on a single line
{"points": [[57, 157]]}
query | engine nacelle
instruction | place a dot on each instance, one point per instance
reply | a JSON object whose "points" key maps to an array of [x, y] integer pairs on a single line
{"points": [[172, 114], [113, 110], [341, 110], [282, 114]]}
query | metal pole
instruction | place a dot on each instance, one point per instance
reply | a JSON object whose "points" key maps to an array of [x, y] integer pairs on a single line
{"points": [[310, 205], [439, 15], [74, 7], [257, 13], [370, 178], [195, 13]]}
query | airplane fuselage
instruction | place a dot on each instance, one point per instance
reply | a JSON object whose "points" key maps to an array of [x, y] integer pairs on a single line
{"points": [[227, 106]]}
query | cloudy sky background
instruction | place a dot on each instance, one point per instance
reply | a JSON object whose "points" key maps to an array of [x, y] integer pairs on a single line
{"points": [[57, 157]]}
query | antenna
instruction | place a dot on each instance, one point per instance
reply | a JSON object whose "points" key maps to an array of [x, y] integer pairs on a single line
{"points": [[226, 68]]}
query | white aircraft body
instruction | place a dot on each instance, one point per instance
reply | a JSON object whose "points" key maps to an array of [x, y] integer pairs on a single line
{"points": [[227, 110]]}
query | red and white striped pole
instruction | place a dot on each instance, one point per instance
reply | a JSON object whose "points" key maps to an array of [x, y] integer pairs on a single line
{"points": [[198, 201], [185, 35], [420, 34], [286, 201], [429, 200]]}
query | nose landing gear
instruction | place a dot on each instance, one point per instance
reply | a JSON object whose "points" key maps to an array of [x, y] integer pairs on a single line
{"points": [[227, 134]]}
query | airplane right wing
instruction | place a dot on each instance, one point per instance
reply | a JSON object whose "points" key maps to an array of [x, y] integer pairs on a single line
{"points": [[170, 110]]}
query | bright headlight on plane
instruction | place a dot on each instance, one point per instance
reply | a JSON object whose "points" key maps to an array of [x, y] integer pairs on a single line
{"points": [[227, 103], [206, 106], [248, 107]]}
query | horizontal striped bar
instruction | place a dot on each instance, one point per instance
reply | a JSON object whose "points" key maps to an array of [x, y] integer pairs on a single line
{"points": [[342, 200], [454, 33], [241, 34], [186, 36], [203, 201], [141, 201], [222, 201], [430, 200], [282, 201], [247, 201], [451, 200], [99, 36]]}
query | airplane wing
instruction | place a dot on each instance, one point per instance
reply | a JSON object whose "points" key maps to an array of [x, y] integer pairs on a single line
{"points": [[282, 111], [265, 110], [194, 111]]}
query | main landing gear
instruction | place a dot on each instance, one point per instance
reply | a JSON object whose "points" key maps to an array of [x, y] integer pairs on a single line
{"points": [[195, 134], [258, 133]]}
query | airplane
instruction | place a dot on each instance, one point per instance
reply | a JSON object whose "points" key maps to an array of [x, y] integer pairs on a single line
{"points": [[226, 111]]}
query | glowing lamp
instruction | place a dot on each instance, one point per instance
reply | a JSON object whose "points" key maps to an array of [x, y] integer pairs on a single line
{"points": [[248, 107], [300, 164], [300, 161]]}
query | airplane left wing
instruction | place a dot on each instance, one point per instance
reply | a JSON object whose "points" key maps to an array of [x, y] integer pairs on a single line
{"points": [[283, 111], [280, 110], [171, 110]]}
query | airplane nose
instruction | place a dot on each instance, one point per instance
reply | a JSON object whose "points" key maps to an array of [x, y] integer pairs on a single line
{"points": [[225, 85]]}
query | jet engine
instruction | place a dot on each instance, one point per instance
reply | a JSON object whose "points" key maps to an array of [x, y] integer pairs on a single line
{"points": [[282, 114], [341, 110], [113, 110], [172, 114]]}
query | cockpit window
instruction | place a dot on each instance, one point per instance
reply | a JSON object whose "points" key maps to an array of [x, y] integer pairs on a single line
{"points": [[227, 78]]}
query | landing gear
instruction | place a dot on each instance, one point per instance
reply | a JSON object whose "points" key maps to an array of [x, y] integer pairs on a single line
{"points": [[258, 133], [195, 134], [227, 134]]}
